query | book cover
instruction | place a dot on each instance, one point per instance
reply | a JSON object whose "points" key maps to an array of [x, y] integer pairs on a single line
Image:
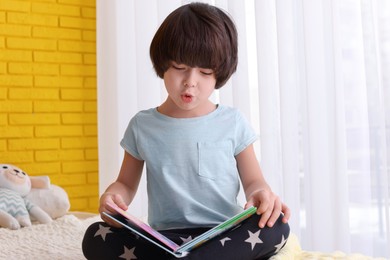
{"points": [[147, 232]]}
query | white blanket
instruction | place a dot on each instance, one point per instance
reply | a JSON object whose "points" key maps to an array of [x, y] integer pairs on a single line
{"points": [[61, 239]]}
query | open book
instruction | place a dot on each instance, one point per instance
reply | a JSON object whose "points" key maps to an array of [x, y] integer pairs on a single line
{"points": [[144, 230]]}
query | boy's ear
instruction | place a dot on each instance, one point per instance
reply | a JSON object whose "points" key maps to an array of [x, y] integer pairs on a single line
{"points": [[40, 182]]}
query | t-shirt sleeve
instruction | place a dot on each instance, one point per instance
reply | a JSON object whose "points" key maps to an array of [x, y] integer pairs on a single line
{"points": [[245, 135], [129, 140]]}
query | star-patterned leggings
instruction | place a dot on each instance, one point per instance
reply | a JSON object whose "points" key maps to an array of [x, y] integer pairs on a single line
{"points": [[245, 242]]}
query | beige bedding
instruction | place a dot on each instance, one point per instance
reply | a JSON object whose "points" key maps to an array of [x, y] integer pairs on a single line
{"points": [[62, 238], [293, 251]]}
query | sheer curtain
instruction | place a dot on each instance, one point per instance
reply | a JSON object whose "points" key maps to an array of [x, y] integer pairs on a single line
{"points": [[314, 80]]}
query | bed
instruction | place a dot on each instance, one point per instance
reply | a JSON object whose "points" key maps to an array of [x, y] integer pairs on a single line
{"points": [[61, 239]]}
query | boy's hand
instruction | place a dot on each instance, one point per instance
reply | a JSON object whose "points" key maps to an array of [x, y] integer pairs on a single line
{"points": [[269, 206], [106, 198]]}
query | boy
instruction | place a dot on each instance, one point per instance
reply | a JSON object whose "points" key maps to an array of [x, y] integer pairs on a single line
{"points": [[195, 153]]}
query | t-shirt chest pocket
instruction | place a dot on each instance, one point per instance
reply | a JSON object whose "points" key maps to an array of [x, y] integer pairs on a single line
{"points": [[216, 159]]}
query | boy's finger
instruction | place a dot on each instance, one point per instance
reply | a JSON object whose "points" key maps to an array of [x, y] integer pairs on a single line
{"points": [[264, 218], [118, 200], [249, 204], [274, 216], [263, 207], [287, 213]]}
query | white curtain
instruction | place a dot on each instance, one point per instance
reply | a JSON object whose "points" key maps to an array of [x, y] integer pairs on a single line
{"points": [[314, 80]]}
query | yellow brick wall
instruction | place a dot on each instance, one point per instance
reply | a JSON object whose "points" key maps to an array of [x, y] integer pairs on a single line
{"points": [[48, 117]]}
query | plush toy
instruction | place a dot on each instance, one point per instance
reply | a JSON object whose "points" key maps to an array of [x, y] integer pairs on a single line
{"points": [[15, 209]]}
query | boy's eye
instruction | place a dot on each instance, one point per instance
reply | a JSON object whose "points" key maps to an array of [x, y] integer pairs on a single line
{"points": [[207, 73], [178, 67], [204, 71]]}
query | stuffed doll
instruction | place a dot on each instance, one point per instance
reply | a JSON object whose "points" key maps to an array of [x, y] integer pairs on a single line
{"points": [[15, 209]]}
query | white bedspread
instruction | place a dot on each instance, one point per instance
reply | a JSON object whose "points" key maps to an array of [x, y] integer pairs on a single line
{"points": [[61, 239]]}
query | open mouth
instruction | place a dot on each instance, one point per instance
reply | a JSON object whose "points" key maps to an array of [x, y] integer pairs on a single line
{"points": [[186, 98]]}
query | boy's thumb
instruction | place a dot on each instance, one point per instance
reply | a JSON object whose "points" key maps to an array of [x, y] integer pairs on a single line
{"points": [[249, 203], [119, 201]]}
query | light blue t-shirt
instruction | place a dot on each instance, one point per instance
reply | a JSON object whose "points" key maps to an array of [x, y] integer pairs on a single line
{"points": [[192, 177]]}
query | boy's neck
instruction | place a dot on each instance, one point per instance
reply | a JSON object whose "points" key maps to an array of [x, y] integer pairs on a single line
{"points": [[168, 108]]}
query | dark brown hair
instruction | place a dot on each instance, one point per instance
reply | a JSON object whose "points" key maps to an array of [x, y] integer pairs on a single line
{"points": [[198, 35]]}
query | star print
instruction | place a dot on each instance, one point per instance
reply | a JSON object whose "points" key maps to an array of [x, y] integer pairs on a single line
{"points": [[103, 231], [185, 240], [224, 240], [254, 238], [279, 246], [128, 254]]}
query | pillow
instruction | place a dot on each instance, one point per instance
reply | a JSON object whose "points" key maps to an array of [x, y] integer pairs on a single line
{"points": [[54, 200]]}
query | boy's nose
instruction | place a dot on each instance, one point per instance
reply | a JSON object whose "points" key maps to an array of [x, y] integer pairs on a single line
{"points": [[191, 79]]}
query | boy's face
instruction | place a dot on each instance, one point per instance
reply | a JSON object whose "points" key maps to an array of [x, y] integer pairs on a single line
{"points": [[189, 88]]}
